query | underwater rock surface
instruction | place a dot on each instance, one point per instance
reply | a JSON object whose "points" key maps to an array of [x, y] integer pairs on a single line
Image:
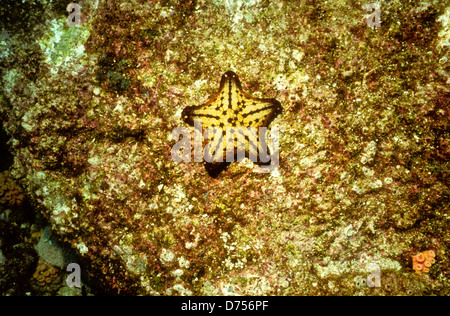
{"points": [[364, 142]]}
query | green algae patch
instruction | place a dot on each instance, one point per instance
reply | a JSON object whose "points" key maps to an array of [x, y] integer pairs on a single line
{"points": [[63, 45]]}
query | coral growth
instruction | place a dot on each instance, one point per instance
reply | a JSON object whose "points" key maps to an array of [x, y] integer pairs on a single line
{"points": [[423, 261], [11, 193], [45, 273]]}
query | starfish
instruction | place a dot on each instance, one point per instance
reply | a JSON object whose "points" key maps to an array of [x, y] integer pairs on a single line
{"points": [[231, 109]]}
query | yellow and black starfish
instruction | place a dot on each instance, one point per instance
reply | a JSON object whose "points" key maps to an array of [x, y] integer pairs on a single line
{"points": [[231, 109]]}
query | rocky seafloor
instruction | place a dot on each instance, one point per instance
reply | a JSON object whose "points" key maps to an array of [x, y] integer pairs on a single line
{"points": [[87, 114]]}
